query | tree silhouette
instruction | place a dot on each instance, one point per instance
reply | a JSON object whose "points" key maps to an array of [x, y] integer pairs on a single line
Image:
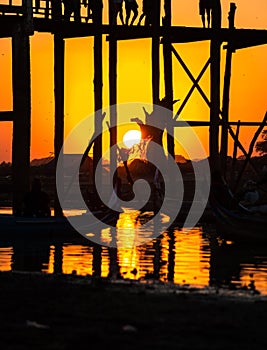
{"points": [[261, 146]]}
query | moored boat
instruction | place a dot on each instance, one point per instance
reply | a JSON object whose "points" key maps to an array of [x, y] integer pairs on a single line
{"points": [[234, 220]]}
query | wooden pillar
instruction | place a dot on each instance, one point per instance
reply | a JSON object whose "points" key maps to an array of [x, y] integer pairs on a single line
{"points": [[155, 52], [215, 57], [167, 54], [113, 102], [22, 117], [226, 93], [112, 95], [59, 54], [98, 86]]}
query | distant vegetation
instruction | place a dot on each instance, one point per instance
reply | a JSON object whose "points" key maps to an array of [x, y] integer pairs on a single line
{"points": [[261, 146]]}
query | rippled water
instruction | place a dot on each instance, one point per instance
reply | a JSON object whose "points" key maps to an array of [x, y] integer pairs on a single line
{"points": [[197, 258]]}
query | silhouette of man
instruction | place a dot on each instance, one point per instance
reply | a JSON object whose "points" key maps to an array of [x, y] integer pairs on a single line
{"points": [[131, 6], [37, 202], [94, 6], [147, 12], [72, 6], [205, 7], [117, 8]]}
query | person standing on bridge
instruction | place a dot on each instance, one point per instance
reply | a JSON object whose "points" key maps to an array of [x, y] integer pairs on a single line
{"points": [[72, 6], [148, 6], [131, 6], [205, 7], [117, 10]]}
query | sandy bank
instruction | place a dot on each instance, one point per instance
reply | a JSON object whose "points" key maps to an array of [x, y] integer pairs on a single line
{"points": [[70, 312]]}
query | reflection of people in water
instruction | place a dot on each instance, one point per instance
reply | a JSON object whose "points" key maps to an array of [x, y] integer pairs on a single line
{"points": [[37, 202]]}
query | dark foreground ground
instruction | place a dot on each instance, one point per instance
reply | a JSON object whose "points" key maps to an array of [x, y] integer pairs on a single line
{"points": [[70, 312]]}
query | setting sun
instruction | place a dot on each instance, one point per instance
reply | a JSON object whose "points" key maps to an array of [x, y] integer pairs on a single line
{"points": [[131, 137]]}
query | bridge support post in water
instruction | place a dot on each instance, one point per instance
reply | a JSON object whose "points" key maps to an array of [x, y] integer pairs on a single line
{"points": [[59, 54], [98, 88], [168, 72], [22, 117], [215, 58]]}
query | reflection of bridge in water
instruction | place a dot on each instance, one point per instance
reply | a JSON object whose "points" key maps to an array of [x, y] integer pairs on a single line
{"points": [[21, 19]]}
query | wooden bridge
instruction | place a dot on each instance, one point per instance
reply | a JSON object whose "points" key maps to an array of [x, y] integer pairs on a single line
{"points": [[20, 19]]}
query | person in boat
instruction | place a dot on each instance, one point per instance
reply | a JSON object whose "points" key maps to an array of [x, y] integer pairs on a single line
{"points": [[252, 199], [250, 195], [205, 7], [37, 201]]}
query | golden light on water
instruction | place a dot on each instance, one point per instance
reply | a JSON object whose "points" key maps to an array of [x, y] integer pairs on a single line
{"points": [[179, 256], [189, 266]]}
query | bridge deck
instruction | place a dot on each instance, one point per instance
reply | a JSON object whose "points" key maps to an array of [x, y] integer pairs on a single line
{"points": [[238, 38]]}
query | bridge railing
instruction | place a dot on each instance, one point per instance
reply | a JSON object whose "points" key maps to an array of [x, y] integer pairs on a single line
{"points": [[47, 9]]}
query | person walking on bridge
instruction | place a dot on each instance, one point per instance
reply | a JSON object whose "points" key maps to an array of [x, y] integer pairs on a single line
{"points": [[205, 7], [131, 6], [148, 7], [72, 6], [117, 10]]}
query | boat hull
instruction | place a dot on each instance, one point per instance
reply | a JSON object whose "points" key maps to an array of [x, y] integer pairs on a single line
{"points": [[237, 225]]}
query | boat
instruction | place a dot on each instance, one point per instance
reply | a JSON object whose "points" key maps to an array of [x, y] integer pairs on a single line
{"points": [[233, 220], [48, 228]]}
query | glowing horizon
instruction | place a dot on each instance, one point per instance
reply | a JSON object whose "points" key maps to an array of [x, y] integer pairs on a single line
{"points": [[249, 73]]}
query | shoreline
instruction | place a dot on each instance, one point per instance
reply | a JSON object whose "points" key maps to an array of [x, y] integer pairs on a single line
{"points": [[42, 311]]}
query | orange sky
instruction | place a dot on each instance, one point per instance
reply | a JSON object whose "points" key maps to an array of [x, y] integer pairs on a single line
{"points": [[249, 74]]}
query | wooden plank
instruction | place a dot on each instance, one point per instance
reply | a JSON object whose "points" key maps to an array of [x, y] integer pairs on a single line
{"points": [[9, 25], [12, 9], [185, 123], [239, 38], [7, 116]]}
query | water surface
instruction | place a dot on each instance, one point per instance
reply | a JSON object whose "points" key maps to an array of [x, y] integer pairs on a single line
{"points": [[196, 257]]}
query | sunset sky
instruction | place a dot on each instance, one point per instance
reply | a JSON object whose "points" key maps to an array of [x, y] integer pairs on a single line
{"points": [[248, 91]]}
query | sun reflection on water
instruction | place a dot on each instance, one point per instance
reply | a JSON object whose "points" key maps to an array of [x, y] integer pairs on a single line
{"points": [[195, 257]]}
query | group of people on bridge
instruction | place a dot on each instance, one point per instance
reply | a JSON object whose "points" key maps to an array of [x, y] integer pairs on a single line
{"points": [[131, 8], [117, 9]]}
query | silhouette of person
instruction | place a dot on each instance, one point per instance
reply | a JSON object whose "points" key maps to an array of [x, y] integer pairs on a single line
{"points": [[93, 7], [72, 6], [131, 6], [37, 202], [117, 8], [205, 8], [147, 12]]}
